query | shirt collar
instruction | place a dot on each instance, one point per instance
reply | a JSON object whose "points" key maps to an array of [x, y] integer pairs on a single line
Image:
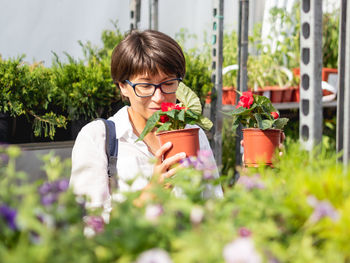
{"points": [[124, 130]]}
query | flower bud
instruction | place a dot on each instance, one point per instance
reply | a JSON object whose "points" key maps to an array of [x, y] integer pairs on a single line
{"points": [[275, 115]]}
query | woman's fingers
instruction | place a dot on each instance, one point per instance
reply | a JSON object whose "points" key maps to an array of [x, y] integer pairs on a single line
{"points": [[164, 167], [161, 151]]}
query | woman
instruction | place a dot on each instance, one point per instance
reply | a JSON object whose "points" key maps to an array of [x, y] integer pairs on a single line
{"points": [[142, 57]]}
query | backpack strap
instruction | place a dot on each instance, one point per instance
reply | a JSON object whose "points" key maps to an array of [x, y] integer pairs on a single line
{"points": [[111, 147]]}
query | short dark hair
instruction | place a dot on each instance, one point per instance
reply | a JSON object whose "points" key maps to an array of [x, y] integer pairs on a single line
{"points": [[147, 52]]}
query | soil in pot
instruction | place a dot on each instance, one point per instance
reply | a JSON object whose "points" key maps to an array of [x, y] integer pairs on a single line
{"points": [[260, 146], [185, 140]]}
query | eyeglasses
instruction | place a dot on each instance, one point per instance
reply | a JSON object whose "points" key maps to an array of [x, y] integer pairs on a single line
{"points": [[145, 90]]}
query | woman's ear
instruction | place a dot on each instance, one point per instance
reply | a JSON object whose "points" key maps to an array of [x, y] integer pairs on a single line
{"points": [[123, 89]]}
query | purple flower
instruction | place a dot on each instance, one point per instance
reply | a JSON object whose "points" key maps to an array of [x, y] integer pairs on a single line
{"points": [[241, 250], [203, 162], [4, 158], [9, 215], [50, 191], [94, 225], [251, 182], [62, 185], [321, 209], [155, 255]]}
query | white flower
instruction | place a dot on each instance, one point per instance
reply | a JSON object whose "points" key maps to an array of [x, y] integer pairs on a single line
{"points": [[155, 255], [196, 215], [241, 250], [153, 212]]}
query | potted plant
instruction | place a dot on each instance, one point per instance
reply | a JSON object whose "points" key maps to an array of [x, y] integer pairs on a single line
{"points": [[262, 128], [172, 119]]}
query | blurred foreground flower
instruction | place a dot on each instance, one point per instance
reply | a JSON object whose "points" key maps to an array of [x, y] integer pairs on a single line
{"points": [[321, 209], [93, 225], [203, 162], [197, 215], [50, 191], [9, 215], [251, 182], [155, 255], [241, 250], [153, 212]]}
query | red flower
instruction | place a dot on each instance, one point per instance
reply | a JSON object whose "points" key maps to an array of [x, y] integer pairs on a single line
{"points": [[275, 115], [164, 118], [246, 100], [168, 106]]}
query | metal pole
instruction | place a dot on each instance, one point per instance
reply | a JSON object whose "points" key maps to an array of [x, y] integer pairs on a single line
{"points": [[216, 93], [135, 10], [153, 14], [311, 116], [341, 78], [346, 155], [242, 78]]}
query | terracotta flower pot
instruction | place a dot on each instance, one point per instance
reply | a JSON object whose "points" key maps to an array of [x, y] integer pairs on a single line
{"points": [[185, 140], [260, 146]]}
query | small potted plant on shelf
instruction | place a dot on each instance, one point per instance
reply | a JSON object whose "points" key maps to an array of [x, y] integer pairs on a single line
{"points": [[173, 123], [262, 128]]}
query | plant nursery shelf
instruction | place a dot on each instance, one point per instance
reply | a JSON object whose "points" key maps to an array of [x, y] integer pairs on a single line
{"points": [[45, 145], [283, 106]]}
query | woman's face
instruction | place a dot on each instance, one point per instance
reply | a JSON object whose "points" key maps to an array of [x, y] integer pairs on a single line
{"points": [[145, 107]]}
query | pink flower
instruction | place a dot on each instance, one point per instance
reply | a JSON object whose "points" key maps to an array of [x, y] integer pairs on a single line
{"points": [[275, 115], [94, 225], [246, 100], [244, 232], [153, 212]]}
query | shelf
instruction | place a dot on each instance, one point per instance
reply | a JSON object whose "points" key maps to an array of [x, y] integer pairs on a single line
{"points": [[279, 106], [45, 145]]}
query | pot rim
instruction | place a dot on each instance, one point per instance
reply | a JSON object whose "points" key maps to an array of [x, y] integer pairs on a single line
{"points": [[256, 129], [174, 131]]}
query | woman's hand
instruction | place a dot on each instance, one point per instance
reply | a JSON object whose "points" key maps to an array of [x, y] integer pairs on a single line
{"points": [[165, 168]]}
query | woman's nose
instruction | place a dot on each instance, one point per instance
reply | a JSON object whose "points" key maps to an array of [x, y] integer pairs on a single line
{"points": [[158, 95]]}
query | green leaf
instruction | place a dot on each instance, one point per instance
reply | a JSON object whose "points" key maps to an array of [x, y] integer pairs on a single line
{"points": [[191, 114], [280, 123], [181, 115], [236, 122], [165, 127], [189, 98], [266, 124], [205, 123], [151, 123], [239, 111], [258, 120], [170, 113]]}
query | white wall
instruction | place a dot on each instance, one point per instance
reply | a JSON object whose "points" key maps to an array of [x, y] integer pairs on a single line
{"points": [[37, 27]]}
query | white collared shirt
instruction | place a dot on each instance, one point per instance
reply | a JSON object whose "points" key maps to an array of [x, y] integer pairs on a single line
{"points": [[89, 161]]}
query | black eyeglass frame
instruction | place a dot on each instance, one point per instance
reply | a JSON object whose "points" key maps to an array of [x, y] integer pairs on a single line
{"points": [[156, 86]]}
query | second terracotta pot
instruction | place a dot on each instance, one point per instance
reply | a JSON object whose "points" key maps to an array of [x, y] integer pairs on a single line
{"points": [[185, 140], [260, 146]]}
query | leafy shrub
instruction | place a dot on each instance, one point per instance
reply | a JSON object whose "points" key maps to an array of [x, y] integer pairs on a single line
{"points": [[28, 90], [85, 90]]}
